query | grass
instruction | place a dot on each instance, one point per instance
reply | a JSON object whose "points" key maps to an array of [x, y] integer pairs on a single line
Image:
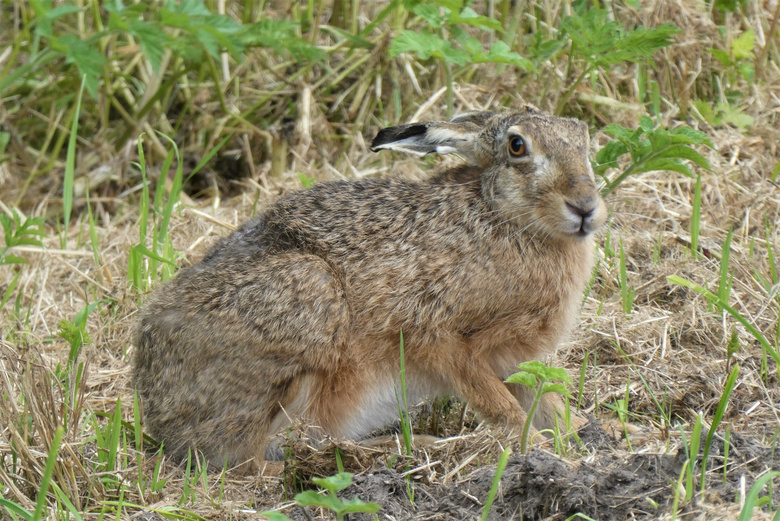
{"points": [[130, 143]]}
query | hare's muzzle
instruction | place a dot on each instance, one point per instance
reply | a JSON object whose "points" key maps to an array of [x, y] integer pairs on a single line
{"points": [[584, 215]]}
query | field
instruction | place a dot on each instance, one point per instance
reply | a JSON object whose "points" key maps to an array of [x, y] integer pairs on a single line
{"points": [[133, 137]]}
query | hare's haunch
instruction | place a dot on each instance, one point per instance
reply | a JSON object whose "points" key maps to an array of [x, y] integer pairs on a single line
{"points": [[298, 313]]}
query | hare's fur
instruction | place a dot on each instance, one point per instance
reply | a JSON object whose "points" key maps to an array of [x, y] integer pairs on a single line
{"points": [[298, 313]]}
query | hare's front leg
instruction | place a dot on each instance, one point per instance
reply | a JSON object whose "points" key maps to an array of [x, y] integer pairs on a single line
{"points": [[473, 379]]}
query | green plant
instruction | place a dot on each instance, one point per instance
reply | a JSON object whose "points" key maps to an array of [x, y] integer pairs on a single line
{"points": [[46, 479], [722, 113], [444, 20], [598, 42], [328, 499], [767, 348], [739, 58], [403, 414], [500, 467], [752, 498], [18, 233], [650, 148], [692, 449], [627, 293], [542, 380], [716, 419], [696, 218]]}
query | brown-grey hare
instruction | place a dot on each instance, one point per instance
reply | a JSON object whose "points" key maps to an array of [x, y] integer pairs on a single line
{"points": [[298, 313]]}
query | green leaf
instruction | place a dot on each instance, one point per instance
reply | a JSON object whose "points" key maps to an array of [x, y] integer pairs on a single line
{"points": [[690, 136], [431, 14], [722, 56], [742, 47], [5, 138], [549, 387], [88, 60], [501, 53], [281, 36], [427, 45], [522, 378], [334, 483], [14, 508], [188, 7], [43, 23], [667, 164], [357, 505], [312, 499], [152, 38], [609, 154], [470, 17], [684, 152]]}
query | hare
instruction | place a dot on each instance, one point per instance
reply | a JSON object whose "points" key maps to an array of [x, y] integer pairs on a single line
{"points": [[298, 313]]}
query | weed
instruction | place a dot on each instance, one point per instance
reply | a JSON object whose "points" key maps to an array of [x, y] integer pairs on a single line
{"points": [[328, 499], [541, 379], [500, 467], [650, 148]]}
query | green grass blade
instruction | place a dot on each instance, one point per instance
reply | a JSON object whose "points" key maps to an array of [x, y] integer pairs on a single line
{"points": [[674, 279], [15, 510], [752, 497], [70, 166], [40, 503], [500, 467], [716, 419], [696, 218], [61, 496], [724, 288], [113, 441]]}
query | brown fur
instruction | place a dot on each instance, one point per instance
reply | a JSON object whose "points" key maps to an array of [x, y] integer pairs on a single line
{"points": [[298, 313]]}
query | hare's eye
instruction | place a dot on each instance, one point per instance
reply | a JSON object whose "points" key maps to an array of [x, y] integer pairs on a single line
{"points": [[517, 146]]}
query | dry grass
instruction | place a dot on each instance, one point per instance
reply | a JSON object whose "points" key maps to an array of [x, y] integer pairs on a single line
{"points": [[671, 349]]}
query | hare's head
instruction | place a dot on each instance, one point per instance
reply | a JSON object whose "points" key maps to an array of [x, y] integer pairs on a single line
{"points": [[534, 167]]}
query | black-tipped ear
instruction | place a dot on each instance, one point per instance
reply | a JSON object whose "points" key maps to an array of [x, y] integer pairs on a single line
{"points": [[405, 138], [443, 137]]}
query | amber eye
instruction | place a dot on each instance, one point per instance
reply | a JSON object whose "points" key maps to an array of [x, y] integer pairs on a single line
{"points": [[517, 146]]}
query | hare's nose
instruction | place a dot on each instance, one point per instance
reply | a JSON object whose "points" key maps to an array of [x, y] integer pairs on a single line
{"points": [[582, 210]]}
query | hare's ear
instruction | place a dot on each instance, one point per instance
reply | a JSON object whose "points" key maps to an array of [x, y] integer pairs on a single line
{"points": [[443, 137]]}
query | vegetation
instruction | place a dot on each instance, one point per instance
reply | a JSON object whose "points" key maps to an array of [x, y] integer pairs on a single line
{"points": [[133, 134]]}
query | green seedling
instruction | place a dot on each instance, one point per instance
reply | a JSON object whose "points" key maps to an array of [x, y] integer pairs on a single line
{"points": [[724, 285], [328, 499], [650, 149], [739, 58], [403, 415], [541, 379], [48, 471], [752, 499], [696, 218], [692, 449], [767, 348], [500, 467], [722, 113], [627, 294], [18, 233], [70, 166], [716, 419]]}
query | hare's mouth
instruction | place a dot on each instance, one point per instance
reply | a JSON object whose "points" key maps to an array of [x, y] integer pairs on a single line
{"points": [[582, 218]]}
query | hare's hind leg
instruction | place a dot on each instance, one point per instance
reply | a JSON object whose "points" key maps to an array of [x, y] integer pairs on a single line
{"points": [[225, 348]]}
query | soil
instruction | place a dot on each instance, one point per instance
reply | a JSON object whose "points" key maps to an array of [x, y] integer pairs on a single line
{"points": [[607, 484]]}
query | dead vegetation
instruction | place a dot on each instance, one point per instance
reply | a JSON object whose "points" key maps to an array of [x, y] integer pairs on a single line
{"points": [[659, 365]]}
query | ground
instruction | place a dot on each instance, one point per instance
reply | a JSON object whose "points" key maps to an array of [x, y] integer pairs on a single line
{"points": [[655, 365]]}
